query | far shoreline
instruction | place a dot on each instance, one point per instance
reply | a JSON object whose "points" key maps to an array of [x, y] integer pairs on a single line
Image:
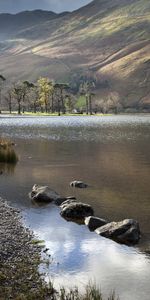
{"points": [[34, 115]]}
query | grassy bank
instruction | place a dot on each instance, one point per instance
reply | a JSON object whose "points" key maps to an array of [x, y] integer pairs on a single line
{"points": [[38, 114]]}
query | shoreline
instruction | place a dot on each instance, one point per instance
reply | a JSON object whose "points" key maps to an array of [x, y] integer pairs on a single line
{"points": [[20, 256], [38, 114]]}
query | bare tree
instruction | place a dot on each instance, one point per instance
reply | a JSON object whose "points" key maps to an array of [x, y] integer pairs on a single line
{"points": [[60, 88], [9, 99], [86, 89], [18, 94], [2, 80], [69, 102], [26, 86]]}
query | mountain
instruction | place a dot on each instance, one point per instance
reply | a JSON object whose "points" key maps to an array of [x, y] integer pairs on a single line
{"points": [[108, 40], [10, 23]]}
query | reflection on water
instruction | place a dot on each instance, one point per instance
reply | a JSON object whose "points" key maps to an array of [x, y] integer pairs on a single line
{"points": [[112, 155], [7, 168], [80, 255]]}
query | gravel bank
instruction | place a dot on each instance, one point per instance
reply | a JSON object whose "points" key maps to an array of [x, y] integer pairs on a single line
{"points": [[19, 259]]}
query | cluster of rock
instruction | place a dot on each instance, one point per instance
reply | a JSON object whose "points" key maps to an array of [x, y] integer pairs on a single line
{"points": [[126, 231]]}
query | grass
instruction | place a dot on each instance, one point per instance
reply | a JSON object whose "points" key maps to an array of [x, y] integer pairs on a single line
{"points": [[7, 153], [91, 293], [39, 114], [47, 292]]}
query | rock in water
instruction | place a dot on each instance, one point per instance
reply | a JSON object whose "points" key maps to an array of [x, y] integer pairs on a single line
{"points": [[68, 202], [75, 211], [78, 184], [60, 201], [43, 194], [125, 232], [94, 222]]}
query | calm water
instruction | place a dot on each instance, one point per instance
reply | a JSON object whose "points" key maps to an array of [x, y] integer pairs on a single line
{"points": [[111, 154]]}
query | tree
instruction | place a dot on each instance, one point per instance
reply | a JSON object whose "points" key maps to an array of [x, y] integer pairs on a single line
{"points": [[2, 80], [9, 99], [52, 99], [60, 88], [90, 102], [26, 86], [45, 90], [34, 98], [18, 94], [69, 103], [86, 89]]}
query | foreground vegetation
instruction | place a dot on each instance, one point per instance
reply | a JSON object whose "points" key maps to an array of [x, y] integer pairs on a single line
{"points": [[91, 293], [7, 153]]}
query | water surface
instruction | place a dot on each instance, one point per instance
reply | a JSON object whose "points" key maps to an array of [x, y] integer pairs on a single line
{"points": [[112, 155]]}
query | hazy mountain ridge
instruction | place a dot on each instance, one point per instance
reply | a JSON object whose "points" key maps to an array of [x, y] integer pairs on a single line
{"points": [[110, 39]]}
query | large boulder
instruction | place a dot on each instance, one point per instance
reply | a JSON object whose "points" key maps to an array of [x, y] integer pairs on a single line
{"points": [[78, 184], [126, 231], [44, 194], [72, 210], [94, 222]]}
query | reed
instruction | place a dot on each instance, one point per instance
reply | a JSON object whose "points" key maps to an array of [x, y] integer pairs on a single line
{"points": [[91, 293], [7, 153]]}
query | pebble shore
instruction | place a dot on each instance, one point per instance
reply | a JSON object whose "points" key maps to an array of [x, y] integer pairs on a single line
{"points": [[20, 257]]}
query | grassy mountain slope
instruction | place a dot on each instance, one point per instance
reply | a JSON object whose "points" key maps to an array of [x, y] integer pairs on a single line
{"points": [[108, 39]]}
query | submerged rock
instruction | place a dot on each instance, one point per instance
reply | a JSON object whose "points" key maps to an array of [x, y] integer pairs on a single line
{"points": [[94, 222], [78, 184], [60, 201], [44, 194], [73, 210], [126, 231], [68, 202]]}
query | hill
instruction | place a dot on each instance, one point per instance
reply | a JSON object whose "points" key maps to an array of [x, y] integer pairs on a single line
{"points": [[108, 40]]}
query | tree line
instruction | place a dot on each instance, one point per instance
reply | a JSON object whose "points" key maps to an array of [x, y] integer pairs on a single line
{"points": [[45, 96], [78, 96]]}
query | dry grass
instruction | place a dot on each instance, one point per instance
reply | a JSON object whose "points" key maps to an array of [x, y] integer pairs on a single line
{"points": [[91, 293], [7, 153]]}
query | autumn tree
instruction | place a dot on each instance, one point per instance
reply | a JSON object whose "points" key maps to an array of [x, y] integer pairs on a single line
{"points": [[45, 87]]}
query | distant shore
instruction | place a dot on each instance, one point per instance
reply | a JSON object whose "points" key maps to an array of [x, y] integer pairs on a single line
{"points": [[39, 114]]}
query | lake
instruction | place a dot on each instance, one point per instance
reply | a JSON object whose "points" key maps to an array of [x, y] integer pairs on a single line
{"points": [[112, 155]]}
